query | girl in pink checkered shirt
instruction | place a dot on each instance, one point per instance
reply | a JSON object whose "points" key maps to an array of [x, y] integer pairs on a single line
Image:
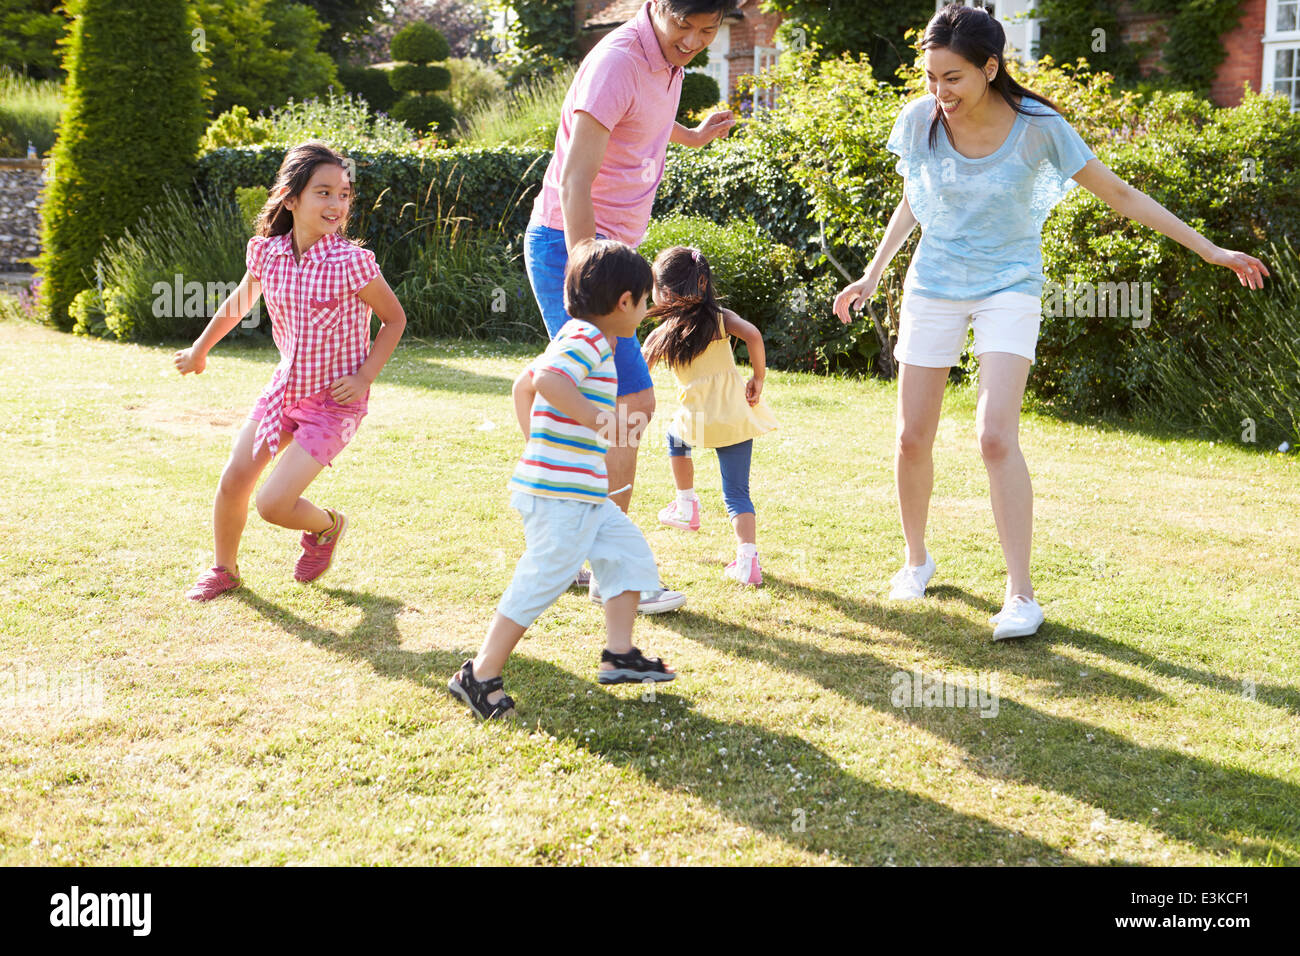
{"points": [[320, 289]]}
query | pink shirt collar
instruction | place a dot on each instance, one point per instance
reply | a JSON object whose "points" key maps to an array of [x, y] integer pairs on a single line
{"points": [[645, 31], [282, 245]]}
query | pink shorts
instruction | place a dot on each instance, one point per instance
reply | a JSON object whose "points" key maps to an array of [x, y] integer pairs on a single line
{"points": [[319, 424]]}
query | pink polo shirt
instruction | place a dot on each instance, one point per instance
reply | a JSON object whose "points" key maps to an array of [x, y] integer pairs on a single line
{"points": [[627, 86]]}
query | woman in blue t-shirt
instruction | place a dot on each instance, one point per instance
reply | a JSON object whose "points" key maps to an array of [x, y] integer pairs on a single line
{"points": [[984, 160]]}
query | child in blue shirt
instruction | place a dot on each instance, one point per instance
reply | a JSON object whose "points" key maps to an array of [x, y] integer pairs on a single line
{"points": [[984, 160]]}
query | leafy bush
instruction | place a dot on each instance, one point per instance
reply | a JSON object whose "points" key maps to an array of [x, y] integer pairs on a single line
{"points": [[202, 243], [1241, 386], [370, 84], [251, 200], [261, 52], [235, 128], [29, 113], [698, 91], [529, 117], [419, 79], [125, 135], [1232, 175], [473, 84], [343, 121], [737, 178], [494, 185]]}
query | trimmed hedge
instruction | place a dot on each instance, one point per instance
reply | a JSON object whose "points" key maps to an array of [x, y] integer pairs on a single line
{"points": [[492, 186], [130, 127]]}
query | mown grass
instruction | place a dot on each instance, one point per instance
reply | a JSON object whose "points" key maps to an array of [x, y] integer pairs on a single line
{"points": [[1155, 719]]}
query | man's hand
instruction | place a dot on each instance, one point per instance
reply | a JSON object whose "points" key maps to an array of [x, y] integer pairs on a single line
{"points": [[715, 126]]}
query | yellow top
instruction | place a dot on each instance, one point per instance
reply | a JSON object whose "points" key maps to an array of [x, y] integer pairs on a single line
{"points": [[714, 412]]}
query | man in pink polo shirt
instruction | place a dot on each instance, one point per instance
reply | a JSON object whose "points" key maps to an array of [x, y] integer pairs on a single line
{"points": [[615, 126]]}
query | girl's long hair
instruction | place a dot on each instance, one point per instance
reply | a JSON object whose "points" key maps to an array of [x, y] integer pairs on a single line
{"points": [[685, 300], [972, 33], [295, 173]]}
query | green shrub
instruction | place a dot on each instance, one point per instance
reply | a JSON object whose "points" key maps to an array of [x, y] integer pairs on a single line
{"points": [[235, 128], [420, 43], [88, 315], [29, 113], [1243, 386], [370, 84], [493, 185], [344, 121], [251, 200], [1231, 174], [260, 52], [473, 84], [203, 244], [125, 135], [528, 117], [699, 90], [419, 80], [737, 178]]}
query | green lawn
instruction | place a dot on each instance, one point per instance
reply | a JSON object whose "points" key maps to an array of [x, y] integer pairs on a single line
{"points": [[1154, 719]]}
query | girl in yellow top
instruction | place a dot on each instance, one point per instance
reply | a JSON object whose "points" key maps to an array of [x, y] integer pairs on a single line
{"points": [[719, 408]]}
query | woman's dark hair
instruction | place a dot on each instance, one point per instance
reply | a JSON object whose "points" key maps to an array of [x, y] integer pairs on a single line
{"points": [[691, 8], [685, 300], [972, 33], [295, 173], [599, 272]]}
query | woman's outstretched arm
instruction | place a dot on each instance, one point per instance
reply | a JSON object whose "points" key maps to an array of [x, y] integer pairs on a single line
{"points": [[1128, 201]]}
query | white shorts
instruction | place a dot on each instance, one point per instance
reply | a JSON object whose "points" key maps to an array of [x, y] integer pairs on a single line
{"points": [[932, 332]]}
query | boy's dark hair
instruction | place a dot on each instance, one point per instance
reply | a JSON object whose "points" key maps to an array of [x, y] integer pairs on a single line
{"points": [[599, 272], [690, 8]]}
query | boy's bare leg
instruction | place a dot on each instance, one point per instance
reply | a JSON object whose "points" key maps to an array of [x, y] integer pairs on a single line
{"points": [[502, 636]]}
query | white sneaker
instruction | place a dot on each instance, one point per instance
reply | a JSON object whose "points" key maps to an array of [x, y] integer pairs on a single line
{"points": [[909, 583], [1019, 617], [652, 602]]}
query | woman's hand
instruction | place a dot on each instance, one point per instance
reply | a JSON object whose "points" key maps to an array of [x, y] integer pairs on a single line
{"points": [[754, 389], [1250, 271], [188, 360], [348, 389], [856, 296]]}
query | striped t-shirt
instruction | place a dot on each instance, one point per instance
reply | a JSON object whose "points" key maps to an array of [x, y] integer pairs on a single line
{"points": [[563, 459]]}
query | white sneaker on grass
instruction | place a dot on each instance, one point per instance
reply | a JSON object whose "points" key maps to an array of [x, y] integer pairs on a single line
{"points": [[909, 583], [1019, 617], [651, 602]]}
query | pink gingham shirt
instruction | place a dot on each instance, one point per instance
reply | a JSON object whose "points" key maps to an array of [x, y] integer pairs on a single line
{"points": [[319, 325]]}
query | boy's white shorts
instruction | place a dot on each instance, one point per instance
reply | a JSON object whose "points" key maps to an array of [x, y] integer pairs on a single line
{"points": [[932, 332]]}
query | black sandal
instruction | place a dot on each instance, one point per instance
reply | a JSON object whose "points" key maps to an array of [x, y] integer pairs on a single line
{"points": [[475, 693], [632, 668]]}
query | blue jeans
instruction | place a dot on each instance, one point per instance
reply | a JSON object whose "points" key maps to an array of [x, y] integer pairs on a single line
{"points": [[733, 462], [545, 256]]}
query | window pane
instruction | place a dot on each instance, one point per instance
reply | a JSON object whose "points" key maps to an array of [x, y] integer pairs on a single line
{"points": [[1286, 15], [1284, 65]]}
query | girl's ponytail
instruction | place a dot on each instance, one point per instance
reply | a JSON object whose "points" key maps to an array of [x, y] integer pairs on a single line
{"points": [[685, 300]]}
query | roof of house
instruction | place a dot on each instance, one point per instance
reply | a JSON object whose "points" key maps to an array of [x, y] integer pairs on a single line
{"points": [[612, 13]]}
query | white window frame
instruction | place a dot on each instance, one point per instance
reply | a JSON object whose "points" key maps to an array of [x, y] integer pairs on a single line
{"points": [[719, 66], [764, 57], [1016, 16], [1275, 40]]}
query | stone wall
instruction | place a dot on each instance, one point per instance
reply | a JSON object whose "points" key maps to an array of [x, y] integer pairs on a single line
{"points": [[21, 182]]}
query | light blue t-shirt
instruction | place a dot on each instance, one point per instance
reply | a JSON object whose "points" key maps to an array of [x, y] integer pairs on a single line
{"points": [[982, 219]]}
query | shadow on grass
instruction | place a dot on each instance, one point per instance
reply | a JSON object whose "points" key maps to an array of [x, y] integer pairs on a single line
{"points": [[1220, 809], [824, 810], [1277, 695]]}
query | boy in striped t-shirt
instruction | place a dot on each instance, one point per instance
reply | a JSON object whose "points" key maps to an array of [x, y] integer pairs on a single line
{"points": [[565, 402]]}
